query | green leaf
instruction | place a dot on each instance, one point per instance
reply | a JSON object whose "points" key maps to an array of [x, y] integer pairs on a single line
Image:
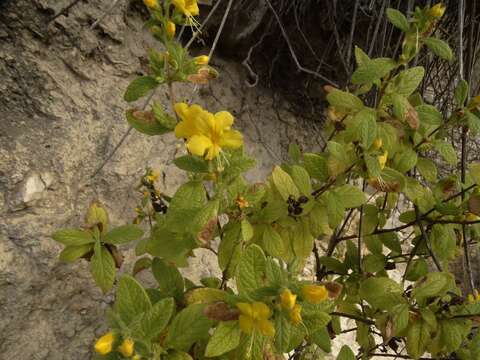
{"points": [[461, 93], [204, 295], [139, 87], [251, 270], [427, 169], [447, 151], [373, 70], [346, 353], [145, 122], [400, 317], [473, 122], [406, 160], [454, 332], [382, 293], [321, 338], [443, 241], [132, 299], [302, 242], [406, 82], [188, 327], [177, 355], [123, 234], [398, 19], [439, 48], [417, 269], [170, 281], [294, 152], [344, 101], [335, 209], [73, 237], [391, 241], [361, 57], [301, 178], [316, 166], [102, 267], [366, 122], [166, 121], [283, 329], [334, 265], [429, 115], [418, 338], [273, 243], [433, 284], [187, 201], [171, 246], [474, 169], [191, 163], [284, 183], [350, 196], [152, 322], [373, 263], [225, 338], [247, 230], [72, 253]]}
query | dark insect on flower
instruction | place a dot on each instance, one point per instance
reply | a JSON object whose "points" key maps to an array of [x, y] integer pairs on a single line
{"points": [[297, 210], [303, 199]]}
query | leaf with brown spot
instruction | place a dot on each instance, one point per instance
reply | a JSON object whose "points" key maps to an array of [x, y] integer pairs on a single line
{"points": [[220, 311], [474, 204]]}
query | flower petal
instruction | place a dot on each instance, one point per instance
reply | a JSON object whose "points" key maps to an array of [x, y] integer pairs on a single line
{"points": [[182, 110], [198, 144], [246, 323], [231, 139], [184, 129], [261, 310], [245, 309], [223, 120], [213, 152], [265, 327]]}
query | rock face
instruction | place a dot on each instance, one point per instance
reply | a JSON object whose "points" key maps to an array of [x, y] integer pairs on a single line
{"points": [[61, 90]]}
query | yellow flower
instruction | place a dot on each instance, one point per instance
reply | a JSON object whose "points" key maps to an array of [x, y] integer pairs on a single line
{"points": [[151, 4], [103, 345], [255, 316], [136, 357], [314, 294], [188, 8], [170, 29], [202, 60], [438, 10], [287, 299], [126, 348], [296, 314], [205, 132], [382, 159], [241, 202]]}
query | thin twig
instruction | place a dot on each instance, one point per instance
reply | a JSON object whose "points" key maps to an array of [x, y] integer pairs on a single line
{"points": [[292, 52], [196, 33], [220, 29]]}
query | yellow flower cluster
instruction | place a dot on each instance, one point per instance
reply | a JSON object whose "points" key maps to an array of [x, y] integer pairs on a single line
{"points": [[288, 302], [314, 294], [255, 317], [206, 133], [104, 346]]}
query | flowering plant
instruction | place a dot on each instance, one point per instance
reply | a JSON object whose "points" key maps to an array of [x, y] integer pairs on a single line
{"points": [[262, 234]]}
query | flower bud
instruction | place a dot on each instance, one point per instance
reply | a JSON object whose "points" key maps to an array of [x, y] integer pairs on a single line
{"points": [[296, 314], [437, 10], [314, 294], [126, 348], [202, 60], [287, 299], [382, 159], [103, 345], [377, 143], [170, 29]]}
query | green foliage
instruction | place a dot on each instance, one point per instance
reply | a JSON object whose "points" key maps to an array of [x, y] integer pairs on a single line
{"points": [[338, 203]]}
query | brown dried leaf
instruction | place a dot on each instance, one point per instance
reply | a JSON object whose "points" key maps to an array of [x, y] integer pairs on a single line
{"points": [[220, 311], [474, 204]]}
